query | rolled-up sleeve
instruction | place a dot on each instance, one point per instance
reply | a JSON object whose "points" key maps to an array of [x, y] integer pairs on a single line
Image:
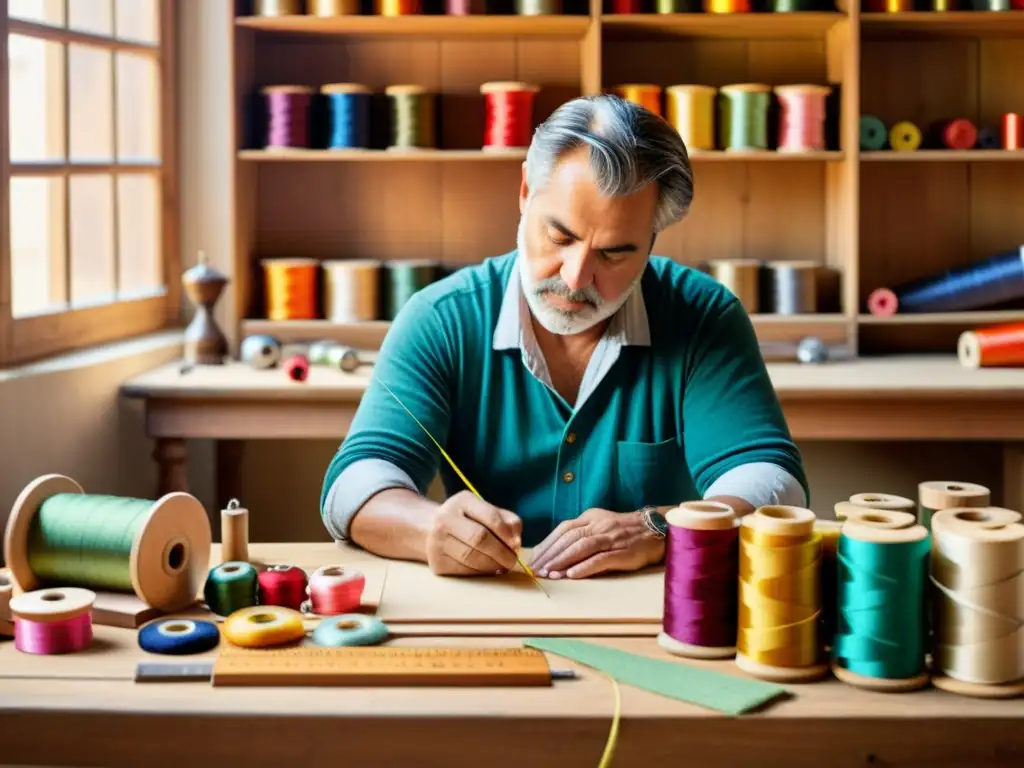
{"points": [[759, 484], [357, 484]]}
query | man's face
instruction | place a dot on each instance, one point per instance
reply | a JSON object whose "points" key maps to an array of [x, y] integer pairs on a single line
{"points": [[581, 253]]}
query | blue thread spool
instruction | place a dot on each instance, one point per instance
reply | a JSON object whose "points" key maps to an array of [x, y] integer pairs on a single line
{"points": [[350, 629], [348, 115], [179, 637]]}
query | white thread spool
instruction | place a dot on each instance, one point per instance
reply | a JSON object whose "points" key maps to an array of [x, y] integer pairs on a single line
{"points": [[352, 290]]}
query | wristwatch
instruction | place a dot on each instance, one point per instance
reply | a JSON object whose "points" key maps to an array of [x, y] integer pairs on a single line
{"points": [[655, 521]]}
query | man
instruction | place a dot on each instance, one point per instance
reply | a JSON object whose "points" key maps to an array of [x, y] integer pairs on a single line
{"points": [[583, 386]]}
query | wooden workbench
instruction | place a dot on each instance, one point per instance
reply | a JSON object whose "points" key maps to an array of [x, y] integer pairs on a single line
{"points": [[85, 709], [873, 399]]}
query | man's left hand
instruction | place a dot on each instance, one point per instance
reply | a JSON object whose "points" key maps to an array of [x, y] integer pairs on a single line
{"points": [[596, 542]]}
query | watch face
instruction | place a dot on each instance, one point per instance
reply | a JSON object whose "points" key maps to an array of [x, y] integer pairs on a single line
{"points": [[659, 522]]}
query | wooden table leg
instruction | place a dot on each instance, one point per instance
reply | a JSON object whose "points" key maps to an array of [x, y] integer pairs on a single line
{"points": [[170, 454], [229, 471]]}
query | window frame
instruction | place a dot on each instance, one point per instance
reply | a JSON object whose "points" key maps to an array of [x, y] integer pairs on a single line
{"points": [[28, 339]]}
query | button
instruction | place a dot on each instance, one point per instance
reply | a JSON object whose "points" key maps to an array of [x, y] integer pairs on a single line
{"points": [[568, 477], [570, 438]]}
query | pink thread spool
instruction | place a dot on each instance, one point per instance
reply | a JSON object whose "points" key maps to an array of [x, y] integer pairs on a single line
{"points": [[52, 621], [334, 590], [288, 123], [801, 117]]}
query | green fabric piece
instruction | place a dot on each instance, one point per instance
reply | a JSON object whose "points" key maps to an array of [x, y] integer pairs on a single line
{"points": [[720, 691]]}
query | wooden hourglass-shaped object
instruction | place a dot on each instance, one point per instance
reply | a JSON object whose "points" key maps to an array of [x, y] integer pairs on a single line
{"points": [[205, 343]]}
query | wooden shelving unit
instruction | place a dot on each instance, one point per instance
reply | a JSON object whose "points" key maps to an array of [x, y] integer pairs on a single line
{"points": [[870, 219]]}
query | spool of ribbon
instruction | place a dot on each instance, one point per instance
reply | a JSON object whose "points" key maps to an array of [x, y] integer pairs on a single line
{"points": [[691, 111], [881, 634], [508, 115], [263, 626], [283, 585], [646, 95], [977, 570], [904, 136], [352, 290], [291, 287], [801, 117], [743, 117], [53, 621], [936, 495], [334, 590], [780, 597], [230, 587], [743, 279], [701, 561], [1001, 346]]}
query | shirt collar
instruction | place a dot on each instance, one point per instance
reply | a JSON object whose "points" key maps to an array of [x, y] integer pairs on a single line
{"points": [[629, 325]]}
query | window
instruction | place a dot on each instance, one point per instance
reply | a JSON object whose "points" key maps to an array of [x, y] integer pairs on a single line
{"points": [[87, 226]]}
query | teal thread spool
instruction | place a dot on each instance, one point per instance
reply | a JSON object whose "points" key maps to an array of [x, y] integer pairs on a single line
{"points": [[743, 117], [58, 535], [403, 279], [882, 631], [873, 133], [350, 629], [230, 587]]}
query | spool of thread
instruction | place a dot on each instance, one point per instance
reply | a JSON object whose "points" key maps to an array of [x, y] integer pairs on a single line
{"points": [[403, 279], [727, 6], [538, 7], [352, 290], [691, 111], [234, 533], [296, 368], [944, 5], [995, 5], [977, 570], [829, 532], [288, 122], [627, 6], [890, 6], [984, 283], [885, 501], [348, 115], [936, 495], [230, 587], [1001, 346], [904, 136], [399, 7], [53, 621], [1013, 131], [291, 288], [282, 585], [960, 134], [277, 7], [743, 279], [334, 590], [646, 95], [743, 117], [801, 117], [263, 626], [988, 138], [260, 351], [678, 6], [331, 8], [459, 8], [57, 535], [179, 637], [793, 6], [335, 355], [881, 635], [780, 597], [413, 118], [348, 630], [701, 562], [872, 133], [791, 288], [508, 118]]}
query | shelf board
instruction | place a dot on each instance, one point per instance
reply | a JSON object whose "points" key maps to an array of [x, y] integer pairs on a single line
{"points": [[699, 156], [476, 155], [422, 25], [942, 23], [945, 156], [809, 24], [945, 318]]}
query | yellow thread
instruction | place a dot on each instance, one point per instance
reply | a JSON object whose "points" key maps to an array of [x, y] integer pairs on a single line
{"points": [[463, 478], [613, 732]]}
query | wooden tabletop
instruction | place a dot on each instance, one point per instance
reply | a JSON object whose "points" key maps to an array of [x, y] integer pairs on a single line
{"points": [[85, 709], [892, 377]]}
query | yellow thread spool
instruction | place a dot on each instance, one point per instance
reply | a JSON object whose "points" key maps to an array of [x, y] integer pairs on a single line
{"points": [[691, 111], [647, 95], [291, 288], [743, 279], [260, 626], [904, 137], [277, 7], [398, 7], [330, 8], [780, 597]]}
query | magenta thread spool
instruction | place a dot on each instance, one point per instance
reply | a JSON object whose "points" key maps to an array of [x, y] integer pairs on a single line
{"points": [[288, 122], [52, 621]]}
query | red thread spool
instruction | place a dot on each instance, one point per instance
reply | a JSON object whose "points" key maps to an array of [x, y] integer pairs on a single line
{"points": [[296, 367], [883, 302], [627, 6], [283, 585], [1013, 131], [509, 115], [959, 134], [334, 590], [801, 117], [1001, 346]]}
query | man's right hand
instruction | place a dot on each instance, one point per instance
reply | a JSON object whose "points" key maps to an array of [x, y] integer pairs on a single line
{"points": [[470, 537]]}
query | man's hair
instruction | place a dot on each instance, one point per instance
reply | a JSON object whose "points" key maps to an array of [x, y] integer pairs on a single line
{"points": [[630, 147]]}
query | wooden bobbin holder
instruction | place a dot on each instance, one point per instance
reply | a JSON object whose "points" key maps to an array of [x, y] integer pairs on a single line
{"points": [[781, 521], [699, 516], [951, 528], [168, 562], [234, 533], [882, 526], [936, 495]]}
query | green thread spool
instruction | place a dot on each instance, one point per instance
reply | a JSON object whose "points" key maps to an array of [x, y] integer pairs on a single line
{"points": [[678, 6], [793, 6], [936, 495], [743, 117], [405, 278], [230, 587], [882, 630], [57, 535], [412, 117], [872, 133], [538, 7]]}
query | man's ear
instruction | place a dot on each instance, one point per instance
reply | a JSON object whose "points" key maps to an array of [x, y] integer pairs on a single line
{"points": [[524, 192]]}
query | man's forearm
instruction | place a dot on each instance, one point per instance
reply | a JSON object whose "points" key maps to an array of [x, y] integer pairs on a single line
{"points": [[394, 523]]}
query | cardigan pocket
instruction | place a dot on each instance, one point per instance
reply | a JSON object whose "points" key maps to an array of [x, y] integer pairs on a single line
{"points": [[651, 473]]}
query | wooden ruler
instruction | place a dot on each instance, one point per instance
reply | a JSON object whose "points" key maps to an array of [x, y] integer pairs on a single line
{"points": [[381, 666]]}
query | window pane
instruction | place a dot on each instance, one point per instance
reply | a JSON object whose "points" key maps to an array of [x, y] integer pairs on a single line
{"points": [[92, 239], [139, 240], [138, 108], [36, 99], [42, 11], [94, 16], [37, 245], [91, 99], [137, 20]]}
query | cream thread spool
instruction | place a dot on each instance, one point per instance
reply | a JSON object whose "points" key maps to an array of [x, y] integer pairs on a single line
{"points": [[977, 571], [936, 495], [352, 290], [743, 279], [877, 501], [234, 533]]}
